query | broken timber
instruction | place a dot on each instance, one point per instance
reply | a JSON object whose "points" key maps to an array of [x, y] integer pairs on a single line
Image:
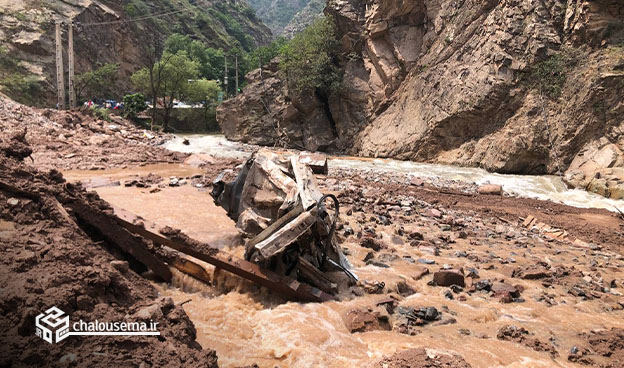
{"points": [[247, 270], [106, 225]]}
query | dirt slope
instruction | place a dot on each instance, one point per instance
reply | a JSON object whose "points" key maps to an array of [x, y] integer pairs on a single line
{"points": [[50, 259]]}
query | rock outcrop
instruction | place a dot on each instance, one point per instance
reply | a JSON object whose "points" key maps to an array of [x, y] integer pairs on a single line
{"points": [[265, 115], [599, 168], [510, 86]]}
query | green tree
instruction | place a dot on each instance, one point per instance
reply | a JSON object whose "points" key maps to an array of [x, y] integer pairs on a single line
{"points": [[134, 104], [98, 82], [202, 91], [264, 54], [205, 92], [308, 60], [168, 80]]}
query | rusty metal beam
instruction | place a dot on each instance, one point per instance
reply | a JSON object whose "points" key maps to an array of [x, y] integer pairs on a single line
{"points": [[286, 286]]}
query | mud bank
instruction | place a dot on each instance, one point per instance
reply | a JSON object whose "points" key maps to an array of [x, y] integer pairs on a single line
{"points": [[51, 259]]}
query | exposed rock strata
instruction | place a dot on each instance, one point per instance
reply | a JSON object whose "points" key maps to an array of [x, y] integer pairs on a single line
{"points": [[462, 82]]}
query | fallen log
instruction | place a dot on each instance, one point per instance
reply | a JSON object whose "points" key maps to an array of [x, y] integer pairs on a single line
{"points": [[284, 285]]}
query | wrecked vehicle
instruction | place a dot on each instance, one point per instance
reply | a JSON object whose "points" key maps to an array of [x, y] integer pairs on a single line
{"points": [[286, 220]]}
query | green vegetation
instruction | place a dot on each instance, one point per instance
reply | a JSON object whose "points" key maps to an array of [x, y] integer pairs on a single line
{"points": [[134, 104], [549, 76], [176, 76], [263, 55], [100, 81], [212, 61], [18, 82], [308, 61], [100, 113], [167, 80]]}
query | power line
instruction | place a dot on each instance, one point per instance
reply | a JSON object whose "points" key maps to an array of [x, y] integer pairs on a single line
{"points": [[132, 20]]}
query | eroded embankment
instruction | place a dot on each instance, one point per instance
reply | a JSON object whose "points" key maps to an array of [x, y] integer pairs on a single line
{"points": [[51, 258]]}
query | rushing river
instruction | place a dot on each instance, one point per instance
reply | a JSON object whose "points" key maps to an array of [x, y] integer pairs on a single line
{"points": [[545, 187]]}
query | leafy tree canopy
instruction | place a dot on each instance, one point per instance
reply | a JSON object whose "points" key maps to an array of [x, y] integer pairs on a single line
{"points": [[308, 61]]}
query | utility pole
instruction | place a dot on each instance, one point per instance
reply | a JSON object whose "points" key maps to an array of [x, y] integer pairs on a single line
{"points": [[60, 77], [225, 79], [70, 54], [236, 75]]}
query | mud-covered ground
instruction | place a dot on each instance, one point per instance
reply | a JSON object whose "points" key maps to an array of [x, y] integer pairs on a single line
{"points": [[50, 259], [416, 243]]}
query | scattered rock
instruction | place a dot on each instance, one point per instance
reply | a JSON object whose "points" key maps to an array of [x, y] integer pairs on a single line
{"points": [[421, 358], [491, 189], [121, 266], [366, 319], [448, 278], [371, 243]]}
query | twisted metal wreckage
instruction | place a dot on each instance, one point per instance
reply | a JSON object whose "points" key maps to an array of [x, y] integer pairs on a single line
{"points": [[284, 216], [290, 249]]}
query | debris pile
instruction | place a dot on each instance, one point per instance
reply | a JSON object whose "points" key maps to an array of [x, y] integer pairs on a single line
{"points": [[278, 207], [78, 140]]}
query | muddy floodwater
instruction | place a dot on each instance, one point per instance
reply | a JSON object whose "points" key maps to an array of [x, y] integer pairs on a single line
{"points": [[545, 187], [248, 325]]}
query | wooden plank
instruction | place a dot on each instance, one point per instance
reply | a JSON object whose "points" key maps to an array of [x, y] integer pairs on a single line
{"points": [[527, 222], [285, 236], [109, 228], [191, 268], [314, 275], [283, 285]]}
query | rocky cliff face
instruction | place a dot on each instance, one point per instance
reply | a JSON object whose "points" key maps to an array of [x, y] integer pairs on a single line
{"points": [[27, 53], [304, 18], [521, 86]]}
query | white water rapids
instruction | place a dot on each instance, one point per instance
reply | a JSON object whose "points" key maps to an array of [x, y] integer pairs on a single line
{"points": [[544, 187]]}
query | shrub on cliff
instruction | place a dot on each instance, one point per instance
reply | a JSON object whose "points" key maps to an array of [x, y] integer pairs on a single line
{"points": [[549, 75], [308, 61]]}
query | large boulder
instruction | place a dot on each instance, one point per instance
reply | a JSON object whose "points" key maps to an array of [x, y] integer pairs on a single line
{"points": [[264, 114], [598, 168]]}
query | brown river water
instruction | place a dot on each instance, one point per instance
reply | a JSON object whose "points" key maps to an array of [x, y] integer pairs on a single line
{"points": [[247, 325]]}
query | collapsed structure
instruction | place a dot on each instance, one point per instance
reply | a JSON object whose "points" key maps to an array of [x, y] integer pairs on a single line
{"points": [[279, 209]]}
